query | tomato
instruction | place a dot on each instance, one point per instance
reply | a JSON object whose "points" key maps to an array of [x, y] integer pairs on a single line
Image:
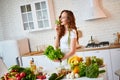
{"points": [[17, 75], [22, 74], [18, 78], [14, 71], [41, 77]]}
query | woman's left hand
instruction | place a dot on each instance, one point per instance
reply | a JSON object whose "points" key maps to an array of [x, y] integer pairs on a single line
{"points": [[56, 60]]}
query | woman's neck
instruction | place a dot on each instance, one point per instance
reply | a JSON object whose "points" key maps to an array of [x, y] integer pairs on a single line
{"points": [[66, 27]]}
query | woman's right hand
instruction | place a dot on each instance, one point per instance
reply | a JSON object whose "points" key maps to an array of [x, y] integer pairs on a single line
{"points": [[57, 29]]}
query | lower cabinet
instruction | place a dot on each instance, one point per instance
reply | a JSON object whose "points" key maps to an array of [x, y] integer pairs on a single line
{"points": [[40, 61], [111, 59], [79, 54], [106, 57], [115, 58]]}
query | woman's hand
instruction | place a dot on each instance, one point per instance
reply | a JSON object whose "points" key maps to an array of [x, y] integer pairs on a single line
{"points": [[56, 60], [57, 30], [57, 42]]}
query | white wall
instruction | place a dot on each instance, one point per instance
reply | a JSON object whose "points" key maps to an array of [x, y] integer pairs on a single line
{"points": [[1, 28], [13, 27], [1, 33], [101, 29]]}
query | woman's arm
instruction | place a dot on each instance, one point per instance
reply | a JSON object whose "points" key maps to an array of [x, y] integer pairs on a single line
{"points": [[72, 49], [57, 42]]}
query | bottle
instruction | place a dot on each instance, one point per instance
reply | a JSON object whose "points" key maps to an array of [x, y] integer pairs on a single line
{"points": [[91, 40], [32, 65], [88, 61]]}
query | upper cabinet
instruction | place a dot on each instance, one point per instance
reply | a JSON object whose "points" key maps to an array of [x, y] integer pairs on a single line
{"points": [[37, 15]]}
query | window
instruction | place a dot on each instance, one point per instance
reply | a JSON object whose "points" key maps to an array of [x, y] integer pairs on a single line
{"points": [[42, 14], [27, 17], [36, 15]]}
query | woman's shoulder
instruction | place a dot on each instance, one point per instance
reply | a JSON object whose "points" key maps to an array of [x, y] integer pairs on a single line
{"points": [[73, 33]]}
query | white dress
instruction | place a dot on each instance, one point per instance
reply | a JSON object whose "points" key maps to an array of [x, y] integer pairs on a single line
{"points": [[64, 46]]}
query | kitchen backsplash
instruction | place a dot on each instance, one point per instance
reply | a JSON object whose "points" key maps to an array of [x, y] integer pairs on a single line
{"points": [[100, 29]]}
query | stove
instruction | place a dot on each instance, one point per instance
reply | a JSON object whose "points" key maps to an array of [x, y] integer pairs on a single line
{"points": [[98, 45]]}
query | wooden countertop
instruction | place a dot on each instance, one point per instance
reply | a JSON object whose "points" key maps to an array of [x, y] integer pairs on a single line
{"points": [[36, 53], [100, 48], [33, 53]]}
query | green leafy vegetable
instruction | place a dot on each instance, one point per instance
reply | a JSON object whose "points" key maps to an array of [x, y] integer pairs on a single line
{"points": [[101, 71], [29, 74], [82, 69], [92, 71], [53, 54], [99, 61], [53, 76], [57, 22], [60, 77], [16, 68]]}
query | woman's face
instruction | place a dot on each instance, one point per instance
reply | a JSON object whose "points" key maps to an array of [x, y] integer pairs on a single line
{"points": [[64, 19]]}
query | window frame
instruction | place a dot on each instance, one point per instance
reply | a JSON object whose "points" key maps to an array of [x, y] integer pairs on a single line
{"points": [[51, 16]]}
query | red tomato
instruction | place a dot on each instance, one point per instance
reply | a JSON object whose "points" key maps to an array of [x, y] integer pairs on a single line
{"points": [[17, 75], [18, 78], [43, 77], [22, 74], [39, 77], [14, 71]]}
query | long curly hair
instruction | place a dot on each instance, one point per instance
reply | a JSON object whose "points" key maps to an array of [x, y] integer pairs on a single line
{"points": [[71, 23]]}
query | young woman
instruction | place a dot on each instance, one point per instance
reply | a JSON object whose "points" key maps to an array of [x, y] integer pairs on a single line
{"points": [[66, 34]]}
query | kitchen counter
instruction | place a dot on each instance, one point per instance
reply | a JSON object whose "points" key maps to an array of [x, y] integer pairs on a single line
{"points": [[99, 48], [37, 53], [33, 53]]}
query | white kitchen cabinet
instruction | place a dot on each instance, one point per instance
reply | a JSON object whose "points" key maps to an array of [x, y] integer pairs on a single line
{"points": [[111, 59], [40, 61], [106, 57], [115, 58], [9, 52], [79, 54]]}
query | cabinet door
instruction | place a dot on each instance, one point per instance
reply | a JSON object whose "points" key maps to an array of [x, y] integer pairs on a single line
{"points": [[26, 61], [46, 63], [79, 54], [41, 61], [115, 57], [106, 57]]}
